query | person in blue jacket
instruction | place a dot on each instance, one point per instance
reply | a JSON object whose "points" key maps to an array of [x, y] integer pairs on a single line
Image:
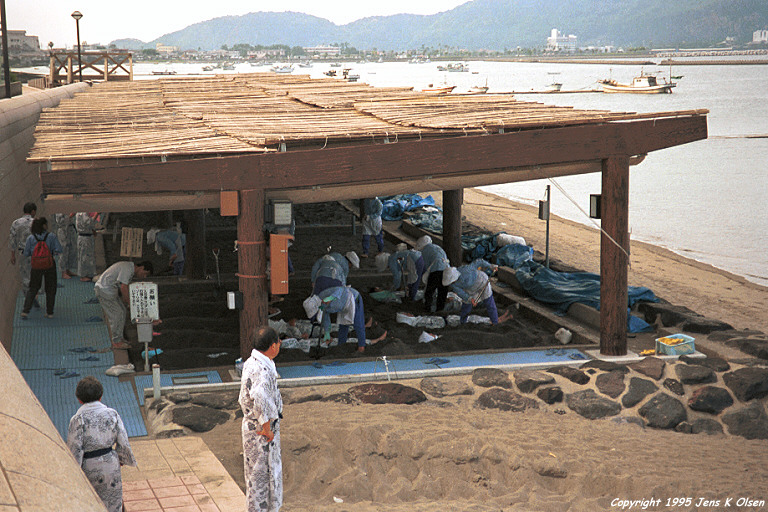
{"points": [[328, 272], [39, 233], [347, 304], [407, 267], [372, 225], [472, 286], [435, 261]]}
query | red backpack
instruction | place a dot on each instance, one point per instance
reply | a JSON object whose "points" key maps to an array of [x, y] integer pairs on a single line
{"points": [[42, 259]]}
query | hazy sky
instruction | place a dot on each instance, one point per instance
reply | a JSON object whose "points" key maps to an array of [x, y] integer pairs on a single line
{"points": [[107, 20]]}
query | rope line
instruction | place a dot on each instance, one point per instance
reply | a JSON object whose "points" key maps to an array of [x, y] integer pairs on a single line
{"points": [[598, 226]]}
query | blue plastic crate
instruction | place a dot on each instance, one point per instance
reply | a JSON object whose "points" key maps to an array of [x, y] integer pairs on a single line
{"points": [[687, 346]]}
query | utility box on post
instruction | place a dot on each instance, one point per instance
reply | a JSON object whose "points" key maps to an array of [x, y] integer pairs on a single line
{"points": [[278, 261]]}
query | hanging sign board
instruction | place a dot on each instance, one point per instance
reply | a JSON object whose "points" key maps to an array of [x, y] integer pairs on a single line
{"points": [[144, 301], [131, 242]]}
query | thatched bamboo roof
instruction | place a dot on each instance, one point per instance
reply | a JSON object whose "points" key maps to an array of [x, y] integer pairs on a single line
{"points": [[246, 113]]}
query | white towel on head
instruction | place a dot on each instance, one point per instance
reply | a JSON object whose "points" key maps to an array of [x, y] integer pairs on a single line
{"points": [[353, 258], [312, 305], [382, 261], [450, 275], [422, 242], [402, 247]]}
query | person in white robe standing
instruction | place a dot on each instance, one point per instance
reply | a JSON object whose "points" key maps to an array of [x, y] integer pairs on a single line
{"points": [[99, 443], [262, 408]]}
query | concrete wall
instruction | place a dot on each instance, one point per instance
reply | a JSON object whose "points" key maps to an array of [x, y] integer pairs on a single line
{"points": [[19, 183], [37, 471]]}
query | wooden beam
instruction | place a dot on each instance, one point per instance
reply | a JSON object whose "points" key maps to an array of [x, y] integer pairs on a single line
{"points": [[452, 201], [359, 165], [347, 192], [613, 256], [252, 266], [130, 202]]}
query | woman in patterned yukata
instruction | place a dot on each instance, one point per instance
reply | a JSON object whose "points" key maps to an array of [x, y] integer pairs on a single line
{"points": [[262, 408], [99, 442]]}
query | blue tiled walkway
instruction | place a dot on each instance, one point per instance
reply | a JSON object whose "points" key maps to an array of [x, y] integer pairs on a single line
{"points": [[41, 346]]}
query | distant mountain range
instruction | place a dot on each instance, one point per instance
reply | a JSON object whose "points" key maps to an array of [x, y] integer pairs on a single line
{"points": [[491, 25]]}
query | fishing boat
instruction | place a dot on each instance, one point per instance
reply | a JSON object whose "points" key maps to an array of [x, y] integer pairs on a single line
{"points": [[477, 89], [454, 68], [164, 72], [349, 76], [207, 68], [282, 69], [553, 86], [643, 84], [228, 66], [442, 89]]}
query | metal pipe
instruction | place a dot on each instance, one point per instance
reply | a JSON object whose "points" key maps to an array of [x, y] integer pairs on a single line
{"points": [[548, 210]]}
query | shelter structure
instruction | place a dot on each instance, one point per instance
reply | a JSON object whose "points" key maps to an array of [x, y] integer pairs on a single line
{"points": [[187, 143]]}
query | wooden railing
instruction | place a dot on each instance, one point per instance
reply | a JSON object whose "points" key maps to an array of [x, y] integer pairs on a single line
{"points": [[103, 65]]}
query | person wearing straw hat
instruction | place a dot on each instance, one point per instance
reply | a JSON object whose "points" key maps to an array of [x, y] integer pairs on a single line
{"points": [[473, 287], [372, 225], [435, 261]]}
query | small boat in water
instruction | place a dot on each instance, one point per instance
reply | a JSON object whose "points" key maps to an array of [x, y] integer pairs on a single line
{"points": [[643, 84], [164, 72], [477, 89], [554, 86], [282, 69], [207, 68], [443, 89], [330, 72], [455, 68], [228, 66]]}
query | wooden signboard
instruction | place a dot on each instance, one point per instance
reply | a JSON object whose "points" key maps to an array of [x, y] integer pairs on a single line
{"points": [[131, 242]]}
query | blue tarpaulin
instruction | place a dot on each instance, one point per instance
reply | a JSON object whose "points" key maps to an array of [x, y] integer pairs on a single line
{"points": [[514, 255], [395, 206], [561, 289]]}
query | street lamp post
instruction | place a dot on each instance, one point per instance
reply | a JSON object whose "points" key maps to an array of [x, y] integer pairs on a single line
{"points": [[77, 15]]}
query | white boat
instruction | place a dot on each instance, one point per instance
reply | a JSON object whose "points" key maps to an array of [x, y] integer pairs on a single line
{"points": [[643, 84], [282, 69], [477, 89], [164, 72], [207, 68], [455, 68], [554, 86], [443, 89]]}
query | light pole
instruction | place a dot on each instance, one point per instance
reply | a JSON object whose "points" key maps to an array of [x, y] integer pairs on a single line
{"points": [[77, 15]]}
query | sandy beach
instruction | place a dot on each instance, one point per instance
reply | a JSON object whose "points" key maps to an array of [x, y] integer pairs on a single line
{"points": [[449, 454]]}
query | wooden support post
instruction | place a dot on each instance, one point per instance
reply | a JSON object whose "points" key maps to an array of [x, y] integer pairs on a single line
{"points": [[106, 67], [452, 201], [252, 265], [69, 69], [130, 71], [613, 259], [194, 261]]}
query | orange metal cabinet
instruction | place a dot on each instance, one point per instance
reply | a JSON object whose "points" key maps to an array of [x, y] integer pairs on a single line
{"points": [[278, 258]]}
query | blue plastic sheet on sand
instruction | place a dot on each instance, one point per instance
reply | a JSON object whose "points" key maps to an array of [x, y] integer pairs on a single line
{"points": [[561, 289]]}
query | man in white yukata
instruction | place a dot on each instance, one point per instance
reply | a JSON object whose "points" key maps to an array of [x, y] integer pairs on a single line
{"points": [[99, 443], [262, 408], [86, 224], [112, 292], [67, 235], [20, 231]]}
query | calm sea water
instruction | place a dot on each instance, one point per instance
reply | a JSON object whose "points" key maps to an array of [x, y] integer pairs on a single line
{"points": [[704, 200]]}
